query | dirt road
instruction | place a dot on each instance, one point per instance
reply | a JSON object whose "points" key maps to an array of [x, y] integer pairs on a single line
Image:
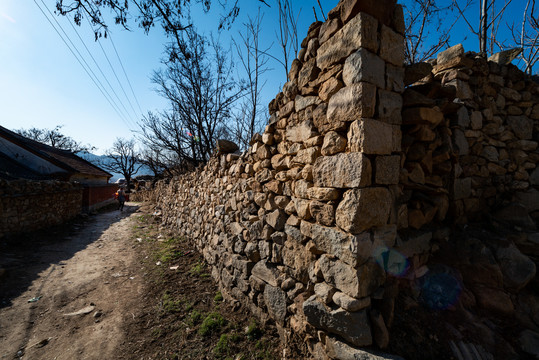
{"points": [[68, 297]]}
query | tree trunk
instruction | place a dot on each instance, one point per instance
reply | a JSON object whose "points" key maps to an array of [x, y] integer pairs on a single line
{"points": [[483, 30]]}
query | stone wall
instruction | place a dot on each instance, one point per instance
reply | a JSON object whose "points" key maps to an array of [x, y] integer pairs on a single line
{"points": [[32, 205], [470, 140], [356, 179]]}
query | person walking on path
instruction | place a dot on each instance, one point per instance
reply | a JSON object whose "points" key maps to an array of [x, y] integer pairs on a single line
{"points": [[121, 198]]}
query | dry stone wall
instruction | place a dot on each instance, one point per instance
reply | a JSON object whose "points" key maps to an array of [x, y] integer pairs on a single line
{"points": [[471, 130], [356, 177], [292, 226], [32, 205]]}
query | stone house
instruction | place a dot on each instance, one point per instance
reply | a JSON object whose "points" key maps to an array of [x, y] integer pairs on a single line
{"points": [[23, 158]]}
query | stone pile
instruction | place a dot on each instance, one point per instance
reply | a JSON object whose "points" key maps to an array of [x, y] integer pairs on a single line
{"points": [[31, 205]]}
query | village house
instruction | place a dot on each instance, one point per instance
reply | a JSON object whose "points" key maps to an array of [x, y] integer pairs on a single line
{"points": [[23, 158]]}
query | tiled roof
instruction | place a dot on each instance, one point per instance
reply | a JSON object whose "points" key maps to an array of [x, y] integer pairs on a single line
{"points": [[11, 170], [62, 158]]}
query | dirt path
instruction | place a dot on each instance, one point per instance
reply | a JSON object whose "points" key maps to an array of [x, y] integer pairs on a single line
{"points": [[86, 285]]}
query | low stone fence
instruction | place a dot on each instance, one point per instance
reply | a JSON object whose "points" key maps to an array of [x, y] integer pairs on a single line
{"points": [[33, 205]]}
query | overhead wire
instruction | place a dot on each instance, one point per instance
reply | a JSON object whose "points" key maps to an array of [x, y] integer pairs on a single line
{"points": [[125, 73], [115, 75], [80, 60], [100, 70]]}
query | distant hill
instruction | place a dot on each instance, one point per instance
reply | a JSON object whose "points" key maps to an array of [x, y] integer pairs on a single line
{"points": [[100, 159]]}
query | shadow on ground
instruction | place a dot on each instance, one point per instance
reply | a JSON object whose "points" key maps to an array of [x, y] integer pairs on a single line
{"points": [[24, 257]]}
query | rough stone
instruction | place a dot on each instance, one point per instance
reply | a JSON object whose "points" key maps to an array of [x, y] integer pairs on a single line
{"points": [[392, 46], [329, 88], [266, 272], [342, 171], [275, 300], [382, 10], [529, 342], [323, 213], [390, 107], [387, 169], [301, 132], [449, 54], [352, 103], [353, 327], [336, 349], [357, 283], [518, 270], [324, 292], [415, 72], [521, 125], [361, 31], [349, 303], [364, 66], [303, 102], [422, 115], [362, 209], [276, 219], [370, 137], [333, 143], [352, 249]]}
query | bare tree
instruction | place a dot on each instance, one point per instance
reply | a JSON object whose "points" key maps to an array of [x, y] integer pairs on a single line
{"points": [[123, 159], [485, 24], [424, 19], [253, 60], [54, 138], [526, 37], [288, 33], [199, 84]]}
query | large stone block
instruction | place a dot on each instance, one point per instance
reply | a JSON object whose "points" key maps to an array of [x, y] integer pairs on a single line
{"points": [[389, 107], [370, 137], [362, 209], [449, 54], [353, 327], [352, 249], [364, 66], [348, 170], [392, 46], [361, 31], [352, 103], [380, 9], [357, 283]]}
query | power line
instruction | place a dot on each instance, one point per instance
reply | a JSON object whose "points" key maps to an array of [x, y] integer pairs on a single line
{"points": [[115, 75], [127, 78], [101, 71], [87, 70], [127, 118]]}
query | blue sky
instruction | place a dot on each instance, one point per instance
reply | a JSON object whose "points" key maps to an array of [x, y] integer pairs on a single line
{"points": [[42, 84]]}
